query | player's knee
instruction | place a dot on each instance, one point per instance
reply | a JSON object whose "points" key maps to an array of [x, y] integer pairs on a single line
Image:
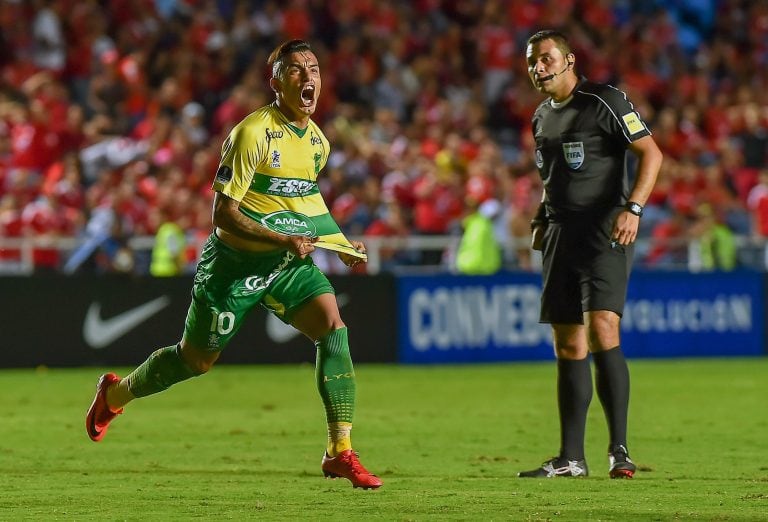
{"points": [[199, 367], [331, 326], [198, 361], [335, 342], [321, 328]]}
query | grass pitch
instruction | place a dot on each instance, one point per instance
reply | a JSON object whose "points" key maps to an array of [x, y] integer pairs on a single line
{"points": [[244, 443]]}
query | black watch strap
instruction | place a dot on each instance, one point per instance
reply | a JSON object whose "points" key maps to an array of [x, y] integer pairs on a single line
{"points": [[635, 208]]}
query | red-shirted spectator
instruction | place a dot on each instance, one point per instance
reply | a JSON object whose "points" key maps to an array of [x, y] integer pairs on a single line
{"points": [[11, 227], [33, 143], [668, 245], [438, 202], [497, 52], [757, 202]]}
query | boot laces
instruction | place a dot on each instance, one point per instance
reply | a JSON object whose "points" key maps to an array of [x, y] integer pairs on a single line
{"points": [[351, 460]]}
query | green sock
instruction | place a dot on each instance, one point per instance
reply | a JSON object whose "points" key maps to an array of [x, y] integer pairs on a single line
{"points": [[160, 371], [336, 376]]}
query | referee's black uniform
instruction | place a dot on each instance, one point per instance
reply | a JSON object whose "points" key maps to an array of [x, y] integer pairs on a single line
{"points": [[581, 149]]}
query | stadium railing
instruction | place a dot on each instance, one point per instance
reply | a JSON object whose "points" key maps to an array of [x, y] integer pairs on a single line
{"points": [[17, 255]]}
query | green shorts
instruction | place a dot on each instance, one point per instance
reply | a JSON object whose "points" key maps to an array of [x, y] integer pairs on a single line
{"points": [[229, 283]]}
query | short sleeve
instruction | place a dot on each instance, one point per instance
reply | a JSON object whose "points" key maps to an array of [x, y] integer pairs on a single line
{"points": [[240, 155], [622, 118]]}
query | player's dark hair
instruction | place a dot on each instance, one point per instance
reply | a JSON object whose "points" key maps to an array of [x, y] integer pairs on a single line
{"points": [[561, 41], [277, 58]]}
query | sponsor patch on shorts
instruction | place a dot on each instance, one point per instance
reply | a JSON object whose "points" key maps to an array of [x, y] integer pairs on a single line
{"points": [[633, 123]]}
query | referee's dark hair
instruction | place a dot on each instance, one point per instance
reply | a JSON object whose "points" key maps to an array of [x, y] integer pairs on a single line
{"points": [[561, 41], [276, 58]]}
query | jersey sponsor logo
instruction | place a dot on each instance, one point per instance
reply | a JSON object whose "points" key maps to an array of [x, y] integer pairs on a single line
{"points": [[224, 174], [315, 140], [290, 223], [633, 123], [273, 135], [275, 161], [539, 158], [290, 187], [574, 154], [99, 333]]}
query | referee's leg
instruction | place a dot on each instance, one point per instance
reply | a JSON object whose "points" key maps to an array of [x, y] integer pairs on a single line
{"points": [[612, 383], [574, 394]]}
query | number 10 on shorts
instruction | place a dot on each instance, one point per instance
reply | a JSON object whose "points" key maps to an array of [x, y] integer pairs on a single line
{"points": [[222, 323]]}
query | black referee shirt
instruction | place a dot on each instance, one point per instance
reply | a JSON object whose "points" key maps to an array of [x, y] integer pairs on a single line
{"points": [[581, 149]]}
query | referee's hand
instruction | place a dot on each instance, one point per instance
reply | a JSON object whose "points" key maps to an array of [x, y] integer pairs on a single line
{"points": [[625, 228]]}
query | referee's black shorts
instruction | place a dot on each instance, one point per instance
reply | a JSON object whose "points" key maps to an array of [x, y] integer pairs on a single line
{"points": [[582, 269]]}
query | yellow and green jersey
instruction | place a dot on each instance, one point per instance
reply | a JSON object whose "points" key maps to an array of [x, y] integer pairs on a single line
{"points": [[270, 166]]}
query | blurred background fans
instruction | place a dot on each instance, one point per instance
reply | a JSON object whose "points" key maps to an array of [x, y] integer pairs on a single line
{"points": [[112, 115]]}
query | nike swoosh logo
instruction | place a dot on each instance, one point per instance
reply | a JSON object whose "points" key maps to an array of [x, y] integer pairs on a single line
{"points": [[280, 332], [99, 333]]}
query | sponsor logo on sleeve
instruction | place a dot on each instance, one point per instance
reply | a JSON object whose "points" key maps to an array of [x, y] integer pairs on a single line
{"points": [[633, 123], [224, 174]]}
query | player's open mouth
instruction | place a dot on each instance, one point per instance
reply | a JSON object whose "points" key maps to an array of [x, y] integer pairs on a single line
{"points": [[308, 95]]}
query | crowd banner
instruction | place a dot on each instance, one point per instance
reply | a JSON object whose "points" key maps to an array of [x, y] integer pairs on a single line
{"points": [[461, 319], [112, 320]]}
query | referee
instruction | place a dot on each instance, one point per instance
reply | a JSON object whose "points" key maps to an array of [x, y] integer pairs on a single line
{"points": [[586, 226]]}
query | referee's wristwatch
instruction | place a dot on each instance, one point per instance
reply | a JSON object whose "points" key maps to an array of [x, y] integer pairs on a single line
{"points": [[634, 208]]}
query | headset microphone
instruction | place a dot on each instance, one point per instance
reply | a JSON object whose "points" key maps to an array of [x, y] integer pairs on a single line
{"points": [[553, 75]]}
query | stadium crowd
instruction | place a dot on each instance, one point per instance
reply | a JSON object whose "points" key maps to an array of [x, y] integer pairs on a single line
{"points": [[112, 115]]}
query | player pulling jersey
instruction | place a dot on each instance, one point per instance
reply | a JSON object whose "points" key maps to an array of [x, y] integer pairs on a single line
{"points": [[270, 167]]}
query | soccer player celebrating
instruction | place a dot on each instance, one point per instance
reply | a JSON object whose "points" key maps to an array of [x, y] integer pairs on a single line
{"points": [[586, 226], [269, 216]]}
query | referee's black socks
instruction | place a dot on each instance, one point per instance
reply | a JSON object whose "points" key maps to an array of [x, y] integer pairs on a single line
{"points": [[612, 383], [574, 393]]}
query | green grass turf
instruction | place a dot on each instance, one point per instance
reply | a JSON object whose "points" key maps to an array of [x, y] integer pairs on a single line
{"points": [[244, 443]]}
